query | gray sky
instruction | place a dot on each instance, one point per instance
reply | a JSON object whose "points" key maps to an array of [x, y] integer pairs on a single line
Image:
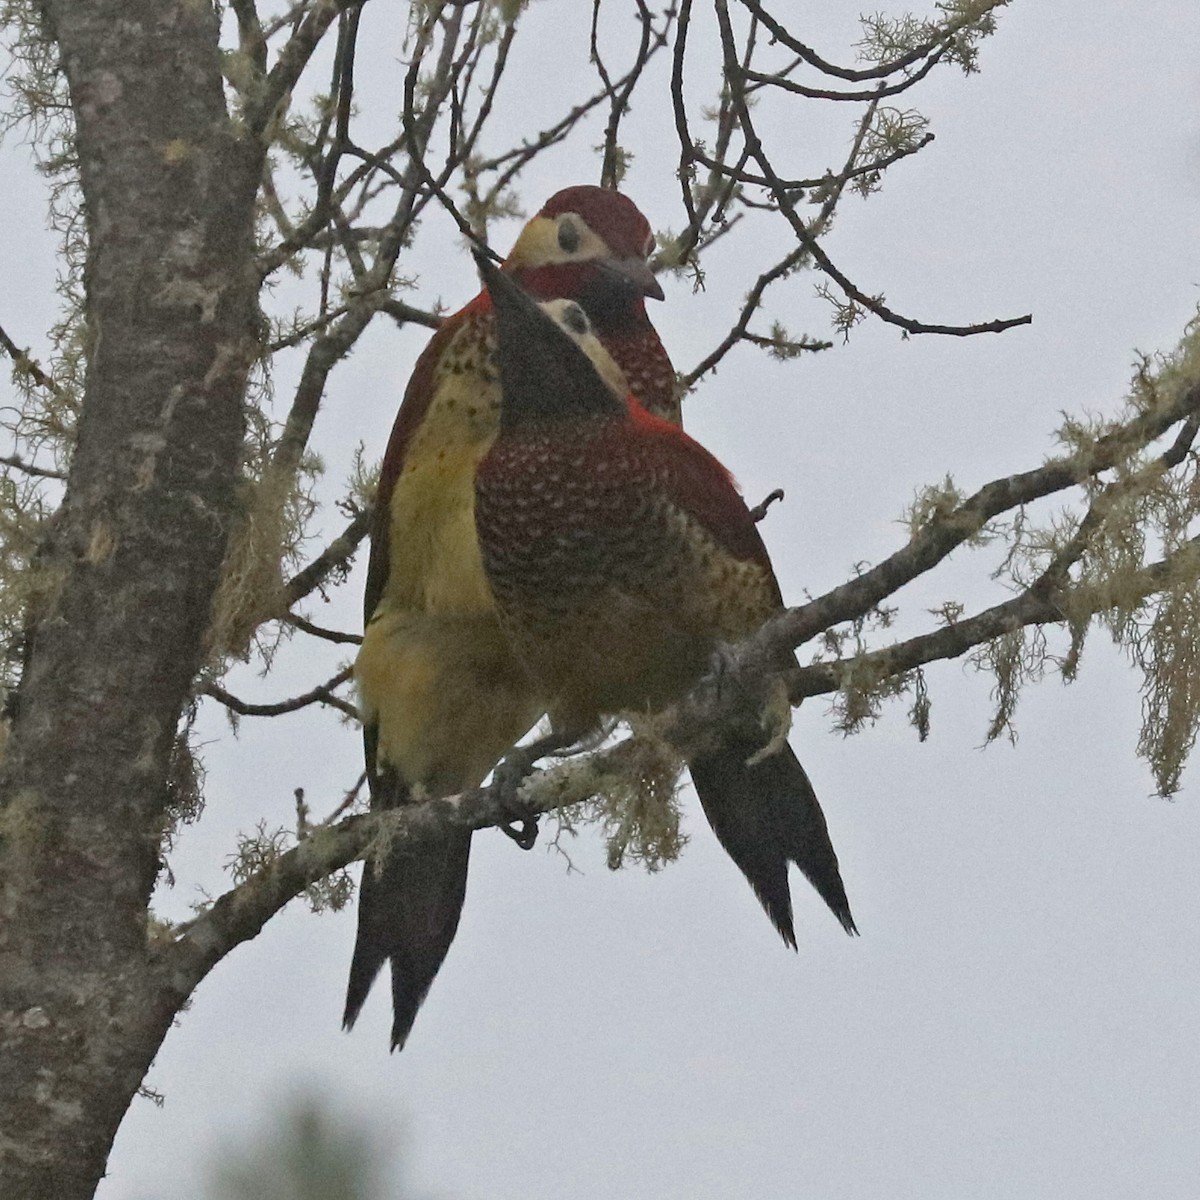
{"points": [[1018, 1017]]}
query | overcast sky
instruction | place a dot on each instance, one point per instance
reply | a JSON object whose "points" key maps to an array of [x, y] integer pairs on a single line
{"points": [[1018, 1018]]}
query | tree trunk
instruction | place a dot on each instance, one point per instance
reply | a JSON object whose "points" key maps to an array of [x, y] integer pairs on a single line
{"points": [[129, 567]]}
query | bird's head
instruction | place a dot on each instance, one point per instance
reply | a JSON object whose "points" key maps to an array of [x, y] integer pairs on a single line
{"points": [[589, 244], [551, 363]]}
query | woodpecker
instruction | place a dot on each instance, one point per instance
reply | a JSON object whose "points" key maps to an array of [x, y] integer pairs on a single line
{"points": [[621, 556], [441, 695]]}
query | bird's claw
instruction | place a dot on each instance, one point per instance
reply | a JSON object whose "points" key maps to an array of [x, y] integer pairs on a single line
{"points": [[525, 834], [508, 776]]}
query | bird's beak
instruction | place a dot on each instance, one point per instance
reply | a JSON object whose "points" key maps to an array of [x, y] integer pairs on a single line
{"points": [[504, 292], [543, 370], [634, 271], [524, 329]]}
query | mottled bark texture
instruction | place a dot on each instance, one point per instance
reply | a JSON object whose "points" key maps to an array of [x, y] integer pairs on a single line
{"points": [[168, 185]]}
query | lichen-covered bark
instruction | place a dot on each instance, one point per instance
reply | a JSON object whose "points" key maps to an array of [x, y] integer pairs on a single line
{"points": [[168, 183]]}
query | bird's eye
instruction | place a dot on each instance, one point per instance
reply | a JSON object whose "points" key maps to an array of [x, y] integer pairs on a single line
{"points": [[575, 319], [568, 235]]}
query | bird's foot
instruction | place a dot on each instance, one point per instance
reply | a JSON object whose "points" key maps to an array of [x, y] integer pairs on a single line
{"points": [[722, 668], [510, 773], [524, 832]]}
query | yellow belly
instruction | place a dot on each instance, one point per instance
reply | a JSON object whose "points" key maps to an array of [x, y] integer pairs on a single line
{"points": [[446, 695], [433, 552], [435, 673]]}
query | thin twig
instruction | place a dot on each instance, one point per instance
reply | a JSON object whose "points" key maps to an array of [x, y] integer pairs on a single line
{"points": [[761, 80], [19, 464], [28, 366], [949, 530], [321, 694], [786, 205], [347, 801], [783, 35], [320, 631], [760, 509], [618, 96], [333, 558]]}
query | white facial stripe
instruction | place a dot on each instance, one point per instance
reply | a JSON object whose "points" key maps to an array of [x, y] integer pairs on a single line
{"points": [[569, 316]]}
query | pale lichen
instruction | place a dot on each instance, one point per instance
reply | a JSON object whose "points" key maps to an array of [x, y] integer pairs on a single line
{"points": [[278, 506], [633, 799]]}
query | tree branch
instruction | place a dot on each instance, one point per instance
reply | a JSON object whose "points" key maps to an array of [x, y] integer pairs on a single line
{"points": [[1049, 599], [319, 631], [292, 60], [19, 464], [781, 34], [947, 531], [760, 79], [25, 365], [1037, 605], [745, 671], [611, 170], [239, 914], [333, 558], [784, 200], [323, 693]]}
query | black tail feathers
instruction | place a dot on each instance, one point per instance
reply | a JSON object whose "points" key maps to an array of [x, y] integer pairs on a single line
{"points": [[408, 914], [766, 816]]}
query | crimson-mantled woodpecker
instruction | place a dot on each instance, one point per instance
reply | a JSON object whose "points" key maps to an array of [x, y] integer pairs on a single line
{"points": [[441, 694], [621, 555]]}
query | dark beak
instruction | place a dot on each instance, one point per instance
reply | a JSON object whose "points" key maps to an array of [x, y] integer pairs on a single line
{"points": [[543, 371], [635, 272], [505, 293]]}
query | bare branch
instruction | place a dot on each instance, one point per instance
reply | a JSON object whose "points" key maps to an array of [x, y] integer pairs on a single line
{"points": [[292, 60], [872, 167], [783, 35], [759, 79], [25, 365], [405, 314], [611, 169], [785, 202], [19, 464], [417, 132], [759, 511], [289, 17], [348, 800], [322, 694], [333, 558], [947, 531], [682, 130], [319, 631], [739, 332], [510, 163], [710, 201]]}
